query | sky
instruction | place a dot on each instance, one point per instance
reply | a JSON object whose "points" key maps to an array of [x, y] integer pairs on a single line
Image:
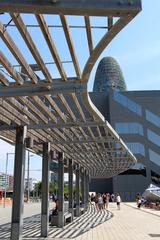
{"points": [[137, 50]]}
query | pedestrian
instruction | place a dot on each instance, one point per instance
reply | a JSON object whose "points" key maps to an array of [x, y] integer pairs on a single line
{"points": [[100, 202], [112, 197], [54, 209], [104, 200], [93, 199], [108, 198], [139, 203], [118, 201]]}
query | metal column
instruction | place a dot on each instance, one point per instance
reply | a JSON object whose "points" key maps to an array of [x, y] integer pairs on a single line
{"points": [[87, 188], [70, 187], [60, 189], [45, 190], [83, 187], [77, 191], [18, 188]]}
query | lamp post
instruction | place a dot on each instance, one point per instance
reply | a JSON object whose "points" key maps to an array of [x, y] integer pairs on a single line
{"points": [[5, 186]]}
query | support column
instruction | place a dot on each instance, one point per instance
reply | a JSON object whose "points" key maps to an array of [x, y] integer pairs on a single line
{"points": [[77, 191], [60, 189], [87, 189], [45, 190], [83, 187], [18, 187], [70, 187]]}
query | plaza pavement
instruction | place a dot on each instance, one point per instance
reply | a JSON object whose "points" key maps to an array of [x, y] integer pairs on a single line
{"points": [[129, 223]]}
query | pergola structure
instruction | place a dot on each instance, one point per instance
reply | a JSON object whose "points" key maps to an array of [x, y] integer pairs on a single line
{"points": [[44, 105]]}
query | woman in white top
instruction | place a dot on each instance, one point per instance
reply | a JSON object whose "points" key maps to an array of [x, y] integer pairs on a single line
{"points": [[118, 200]]}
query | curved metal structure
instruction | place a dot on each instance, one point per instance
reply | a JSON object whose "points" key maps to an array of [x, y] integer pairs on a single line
{"points": [[152, 193], [57, 109]]}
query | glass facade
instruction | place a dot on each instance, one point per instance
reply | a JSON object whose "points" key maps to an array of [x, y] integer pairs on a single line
{"points": [[136, 148], [154, 157], [129, 128], [137, 169], [108, 76], [153, 137], [153, 118], [139, 166], [136, 118], [127, 103], [155, 177]]}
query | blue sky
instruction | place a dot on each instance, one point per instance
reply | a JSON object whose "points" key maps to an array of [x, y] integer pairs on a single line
{"points": [[137, 50]]}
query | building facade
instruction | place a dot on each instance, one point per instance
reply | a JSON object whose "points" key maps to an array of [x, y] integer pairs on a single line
{"points": [[6, 181], [31, 183], [136, 117]]}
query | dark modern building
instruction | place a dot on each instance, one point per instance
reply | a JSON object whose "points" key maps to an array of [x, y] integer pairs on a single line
{"points": [[135, 115]]}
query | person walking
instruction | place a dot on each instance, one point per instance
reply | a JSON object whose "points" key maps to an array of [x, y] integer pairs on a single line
{"points": [[139, 203], [118, 201], [100, 201], [112, 197]]}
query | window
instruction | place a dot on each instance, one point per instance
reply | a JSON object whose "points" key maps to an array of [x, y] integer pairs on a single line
{"points": [[153, 137], [136, 148], [126, 102], [154, 157], [155, 178], [139, 166], [129, 128], [137, 169], [153, 118]]}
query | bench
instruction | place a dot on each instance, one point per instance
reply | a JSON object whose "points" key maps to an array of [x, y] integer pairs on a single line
{"points": [[67, 219], [54, 220], [82, 211]]}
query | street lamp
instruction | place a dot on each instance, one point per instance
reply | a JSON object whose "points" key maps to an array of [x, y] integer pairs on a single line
{"points": [[5, 186]]}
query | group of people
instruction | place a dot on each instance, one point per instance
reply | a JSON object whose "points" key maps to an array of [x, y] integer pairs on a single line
{"points": [[140, 200], [101, 201]]}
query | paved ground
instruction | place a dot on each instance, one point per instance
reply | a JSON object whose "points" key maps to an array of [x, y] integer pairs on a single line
{"points": [[129, 223]]}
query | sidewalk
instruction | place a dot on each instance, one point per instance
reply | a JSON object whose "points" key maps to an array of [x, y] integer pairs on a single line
{"points": [[148, 210], [129, 223], [29, 210]]}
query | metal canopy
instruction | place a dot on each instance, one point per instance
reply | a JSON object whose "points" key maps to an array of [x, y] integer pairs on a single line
{"points": [[76, 7], [48, 92]]}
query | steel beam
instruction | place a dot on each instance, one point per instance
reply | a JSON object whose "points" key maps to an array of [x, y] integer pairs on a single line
{"points": [[18, 188], [55, 125], [89, 140], [45, 190], [76, 7], [41, 89]]}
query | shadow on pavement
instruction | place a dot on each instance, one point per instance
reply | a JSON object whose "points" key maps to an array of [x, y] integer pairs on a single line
{"points": [[32, 226]]}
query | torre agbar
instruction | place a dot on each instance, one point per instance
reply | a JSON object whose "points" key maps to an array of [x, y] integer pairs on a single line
{"points": [[135, 116], [48, 50]]}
